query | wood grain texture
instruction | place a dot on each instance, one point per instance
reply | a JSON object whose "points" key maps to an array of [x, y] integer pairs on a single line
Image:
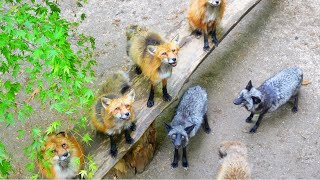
{"points": [[191, 56]]}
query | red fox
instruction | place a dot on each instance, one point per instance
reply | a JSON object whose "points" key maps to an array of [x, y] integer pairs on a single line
{"points": [[204, 16], [153, 56], [234, 161], [62, 152], [113, 111]]}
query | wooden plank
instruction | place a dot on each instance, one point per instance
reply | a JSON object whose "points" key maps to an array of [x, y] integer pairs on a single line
{"points": [[191, 56]]}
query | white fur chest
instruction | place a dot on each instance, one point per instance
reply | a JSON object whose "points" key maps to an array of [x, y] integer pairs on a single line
{"points": [[67, 173], [211, 15], [119, 126], [165, 71]]}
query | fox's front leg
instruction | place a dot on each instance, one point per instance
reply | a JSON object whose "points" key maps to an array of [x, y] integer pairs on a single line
{"points": [[150, 102], [214, 37], [249, 119], [166, 96], [133, 126], [206, 46], [184, 157], [205, 124], [113, 145], [295, 104], [129, 139], [255, 127], [174, 164]]}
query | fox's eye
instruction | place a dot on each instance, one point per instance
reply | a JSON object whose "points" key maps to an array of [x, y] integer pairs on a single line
{"points": [[127, 106], [174, 136], [54, 151], [164, 54], [173, 50], [117, 108], [63, 145], [182, 137]]}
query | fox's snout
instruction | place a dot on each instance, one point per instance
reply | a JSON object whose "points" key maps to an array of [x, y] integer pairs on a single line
{"points": [[125, 116], [237, 101], [64, 156], [214, 2], [173, 62]]}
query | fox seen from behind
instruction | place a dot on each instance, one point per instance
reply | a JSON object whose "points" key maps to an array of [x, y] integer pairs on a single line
{"points": [[204, 16], [234, 163], [153, 56], [113, 111], [190, 115], [64, 154]]}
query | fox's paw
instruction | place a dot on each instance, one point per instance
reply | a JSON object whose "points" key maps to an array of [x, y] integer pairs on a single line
{"points": [[167, 97], [133, 127], [294, 109], [113, 152], [185, 164], [138, 70], [206, 48], [150, 103], [129, 140], [174, 164], [207, 130], [197, 34], [215, 42], [249, 120], [253, 130]]}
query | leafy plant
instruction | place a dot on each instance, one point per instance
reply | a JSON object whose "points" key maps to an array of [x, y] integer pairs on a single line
{"points": [[44, 58], [5, 166]]}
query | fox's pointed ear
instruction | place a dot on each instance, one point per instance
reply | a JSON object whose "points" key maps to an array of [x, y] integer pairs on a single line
{"points": [[152, 49], [176, 39], [189, 129], [256, 100], [105, 102], [130, 96], [62, 133], [168, 127], [249, 86]]}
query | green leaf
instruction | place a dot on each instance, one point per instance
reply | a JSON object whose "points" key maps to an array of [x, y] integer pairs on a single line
{"points": [[83, 16], [86, 138], [30, 167], [55, 125], [36, 132], [21, 133], [83, 174]]}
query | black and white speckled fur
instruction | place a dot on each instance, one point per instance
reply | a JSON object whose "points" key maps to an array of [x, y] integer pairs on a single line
{"points": [[189, 116], [272, 94]]}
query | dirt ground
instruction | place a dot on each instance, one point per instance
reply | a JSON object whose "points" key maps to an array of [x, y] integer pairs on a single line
{"points": [[275, 35]]}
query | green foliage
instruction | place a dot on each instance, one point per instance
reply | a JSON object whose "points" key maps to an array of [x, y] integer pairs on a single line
{"points": [[43, 57], [5, 166]]}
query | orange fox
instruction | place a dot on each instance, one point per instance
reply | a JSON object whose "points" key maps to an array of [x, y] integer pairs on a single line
{"points": [[62, 151], [153, 56], [113, 112], [204, 16], [234, 164]]}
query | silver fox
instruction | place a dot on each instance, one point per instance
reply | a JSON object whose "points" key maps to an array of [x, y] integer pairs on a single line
{"points": [[273, 93], [189, 116]]}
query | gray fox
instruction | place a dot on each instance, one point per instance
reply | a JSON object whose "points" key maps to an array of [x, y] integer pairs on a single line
{"points": [[273, 93], [234, 164], [189, 116]]}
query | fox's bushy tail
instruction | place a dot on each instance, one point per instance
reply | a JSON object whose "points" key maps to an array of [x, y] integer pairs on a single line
{"points": [[118, 82], [133, 30]]}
